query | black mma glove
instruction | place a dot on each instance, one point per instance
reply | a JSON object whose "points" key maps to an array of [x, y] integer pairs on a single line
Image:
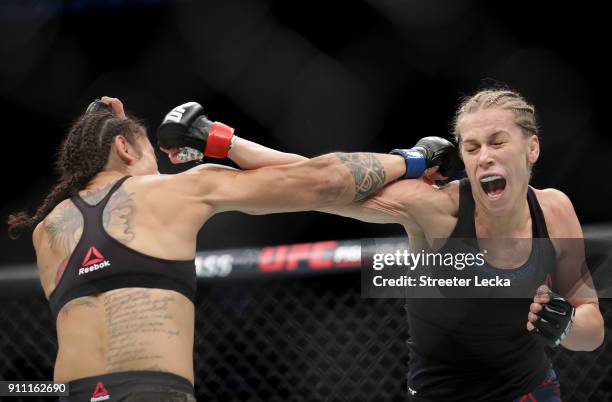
{"points": [[429, 152], [187, 127], [554, 320]]}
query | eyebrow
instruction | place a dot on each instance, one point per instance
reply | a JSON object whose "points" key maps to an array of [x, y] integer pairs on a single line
{"points": [[497, 133], [491, 136]]}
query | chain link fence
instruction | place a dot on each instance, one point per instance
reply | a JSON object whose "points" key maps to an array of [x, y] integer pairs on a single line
{"points": [[283, 338]]}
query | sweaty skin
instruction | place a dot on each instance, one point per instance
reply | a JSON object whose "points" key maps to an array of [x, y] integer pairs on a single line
{"points": [[160, 215]]}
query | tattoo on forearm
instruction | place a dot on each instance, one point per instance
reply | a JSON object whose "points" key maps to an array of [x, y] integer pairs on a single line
{"points": [[367, 171]]}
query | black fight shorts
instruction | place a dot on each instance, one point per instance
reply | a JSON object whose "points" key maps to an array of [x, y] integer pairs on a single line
{"points": [[131, 386]]}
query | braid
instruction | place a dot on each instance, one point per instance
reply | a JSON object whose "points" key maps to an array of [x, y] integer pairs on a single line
{"points": [[524, 113], [83, 154]]}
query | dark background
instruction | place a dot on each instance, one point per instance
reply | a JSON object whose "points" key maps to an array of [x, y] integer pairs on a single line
{"points": [[308, 77]]}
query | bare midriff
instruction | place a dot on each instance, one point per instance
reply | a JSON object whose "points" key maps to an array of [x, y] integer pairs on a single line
{"points": [[129, 329]]}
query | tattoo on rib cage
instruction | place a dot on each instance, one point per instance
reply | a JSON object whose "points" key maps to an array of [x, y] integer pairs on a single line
{"points": [[130, 315], [367, 171]]}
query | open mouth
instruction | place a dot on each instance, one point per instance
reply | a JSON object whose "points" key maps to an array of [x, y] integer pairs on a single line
{"points": [[493, 185]]}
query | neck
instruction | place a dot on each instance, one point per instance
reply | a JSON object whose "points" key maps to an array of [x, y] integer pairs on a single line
{"points": [[510, 223], [103, 179]]}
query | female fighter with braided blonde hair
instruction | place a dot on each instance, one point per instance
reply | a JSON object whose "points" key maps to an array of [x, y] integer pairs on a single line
{"points": [[490, 349]]}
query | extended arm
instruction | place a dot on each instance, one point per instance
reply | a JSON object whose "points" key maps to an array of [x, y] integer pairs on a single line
{"points": [[320, 182], [389, 205], [314, 184], [385, 207]]}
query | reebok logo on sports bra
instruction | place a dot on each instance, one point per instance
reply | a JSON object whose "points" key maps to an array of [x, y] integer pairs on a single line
{"points": [[93, 261], [117, 266]]}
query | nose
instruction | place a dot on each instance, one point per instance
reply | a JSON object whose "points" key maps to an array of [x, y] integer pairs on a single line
{"points": [[484, 157]]}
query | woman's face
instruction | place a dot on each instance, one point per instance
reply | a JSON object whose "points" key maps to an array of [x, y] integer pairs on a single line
{"points": [[497, 156]]}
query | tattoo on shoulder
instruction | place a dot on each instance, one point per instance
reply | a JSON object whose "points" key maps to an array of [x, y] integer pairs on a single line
{"points": [[367, 171], [96, 196], [64, 226], [118, 216]]}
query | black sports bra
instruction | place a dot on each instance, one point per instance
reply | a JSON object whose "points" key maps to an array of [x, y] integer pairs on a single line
{"points": [[100, 263]]}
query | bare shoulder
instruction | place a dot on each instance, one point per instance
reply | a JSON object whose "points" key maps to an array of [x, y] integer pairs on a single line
{"points": [[188, 187], [555, 203], [184, 181], [38, 235], [561, 219], [59, 231], [59, 208], [451, 194], [413, 189], [170, 185], [175, 199], [431, 210], [64, 217], [441, 200]]}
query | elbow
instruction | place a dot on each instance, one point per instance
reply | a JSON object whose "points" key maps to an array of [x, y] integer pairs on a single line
{"points": [[600, 332], [333, 183], [591, 346], [598, 339], [590, 335]]}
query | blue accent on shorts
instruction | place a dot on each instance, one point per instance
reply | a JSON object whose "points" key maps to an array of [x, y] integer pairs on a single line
{"points": [[549, 390]]}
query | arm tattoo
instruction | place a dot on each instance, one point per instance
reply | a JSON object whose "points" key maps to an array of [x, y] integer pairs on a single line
{"points": [[367, 171]]}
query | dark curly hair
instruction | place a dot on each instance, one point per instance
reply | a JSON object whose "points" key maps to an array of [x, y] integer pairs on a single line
{"points": [[83, 154]]}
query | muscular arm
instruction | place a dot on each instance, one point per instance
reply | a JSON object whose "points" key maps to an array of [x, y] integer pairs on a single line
{"points": [[332, 179], [392, 204], [574, 279], [384, 207], [250, 155]]}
